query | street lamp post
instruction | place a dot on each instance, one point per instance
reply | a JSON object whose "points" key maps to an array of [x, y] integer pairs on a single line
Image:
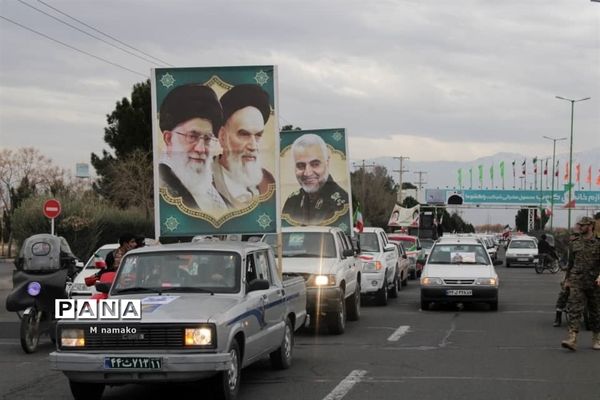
{"points": [[554, 140], [571, 157]]}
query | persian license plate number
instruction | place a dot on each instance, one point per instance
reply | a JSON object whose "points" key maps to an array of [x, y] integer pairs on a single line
{"points": [[522, 259], [459, 292], [132, 363]]}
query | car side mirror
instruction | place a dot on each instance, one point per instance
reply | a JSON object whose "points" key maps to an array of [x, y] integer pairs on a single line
{"points": [[258, 284], [388, 248], [419, 247], [79, 264], [103, 287], [347, 253], [497, 262]]}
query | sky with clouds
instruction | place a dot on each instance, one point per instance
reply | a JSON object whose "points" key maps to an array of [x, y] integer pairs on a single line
{"points": [[433, 80]]}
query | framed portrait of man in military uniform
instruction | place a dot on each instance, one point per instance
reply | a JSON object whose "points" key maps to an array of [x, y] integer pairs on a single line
{"points": [[315, 179], [216, 150]]}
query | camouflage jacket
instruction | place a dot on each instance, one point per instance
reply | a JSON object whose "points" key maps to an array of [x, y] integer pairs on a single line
{"points": [[584, 265]]}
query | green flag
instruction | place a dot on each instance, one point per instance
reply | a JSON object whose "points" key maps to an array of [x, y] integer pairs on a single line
{"points": [[502, 169], [460, 177], [492, 172], [471, 177], [480, 175]]}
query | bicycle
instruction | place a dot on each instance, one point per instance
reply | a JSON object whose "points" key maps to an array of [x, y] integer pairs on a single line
{"points": [[547, 262]]}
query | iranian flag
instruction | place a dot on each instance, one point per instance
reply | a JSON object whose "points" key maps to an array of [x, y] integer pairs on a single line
{"points": [[358, 219]]}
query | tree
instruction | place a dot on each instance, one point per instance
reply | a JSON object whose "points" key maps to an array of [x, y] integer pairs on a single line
{"points": [[24, 173], [378, 197], [131, 181], [129, 128], [290, 127]]}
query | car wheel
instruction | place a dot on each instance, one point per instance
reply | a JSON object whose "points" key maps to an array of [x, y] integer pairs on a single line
{"points": [[382, 294], [86, 390], [228, 381], [494, 305], [337, 320], [353, 305], [282, 357], [404, 281], [393, 292]]}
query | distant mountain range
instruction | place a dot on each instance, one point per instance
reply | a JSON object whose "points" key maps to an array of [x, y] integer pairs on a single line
{"points": [[442, 174]]}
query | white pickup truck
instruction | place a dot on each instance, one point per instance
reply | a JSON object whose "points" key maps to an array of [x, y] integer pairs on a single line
{"points": [[208, 310], [327, 260], [380, 277]]}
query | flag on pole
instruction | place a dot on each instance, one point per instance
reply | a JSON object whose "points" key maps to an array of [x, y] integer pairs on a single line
{"points": [[588, 178], [566, 171], [598, 178], [471, 178], [358, 219], [480, 175], [546, 168], [502, 169], [513, 165], [577, 172], [460, 178], [535, 165], [492, 173], [524, 168], [556, 169]]}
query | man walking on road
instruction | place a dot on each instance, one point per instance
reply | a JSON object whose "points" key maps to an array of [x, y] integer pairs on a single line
{"points": [[583, 280]]}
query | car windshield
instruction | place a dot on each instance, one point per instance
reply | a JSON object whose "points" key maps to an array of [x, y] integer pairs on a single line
{"points": [[305, 244], [459, 254], [191, 271], [409, 243], [522, 244], [368, 242], [100, 253]]}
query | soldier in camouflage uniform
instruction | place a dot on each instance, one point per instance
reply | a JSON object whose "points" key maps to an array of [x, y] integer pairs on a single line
{"points": [[583, 281], [320, 200]]}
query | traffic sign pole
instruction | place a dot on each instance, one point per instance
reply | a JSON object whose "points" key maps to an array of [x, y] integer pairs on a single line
{"points": [[51, 210]]}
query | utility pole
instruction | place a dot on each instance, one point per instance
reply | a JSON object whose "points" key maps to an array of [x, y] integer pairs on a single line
{"points": [[400, 172], [420, 182], [363, 166]]}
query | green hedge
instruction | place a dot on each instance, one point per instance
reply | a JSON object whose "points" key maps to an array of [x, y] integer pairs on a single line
{"points": [[85, 221]]}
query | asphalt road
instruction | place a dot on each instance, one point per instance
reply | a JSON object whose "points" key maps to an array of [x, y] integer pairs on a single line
{"points": [[393, 352]]}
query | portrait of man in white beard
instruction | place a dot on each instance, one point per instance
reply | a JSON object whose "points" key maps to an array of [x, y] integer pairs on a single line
{"points": [[190, 116], [238, 173]]}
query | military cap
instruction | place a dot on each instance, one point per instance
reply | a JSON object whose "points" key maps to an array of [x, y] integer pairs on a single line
{"points": [[597, 215], [585, 221], [187, 102], [245, 95]]}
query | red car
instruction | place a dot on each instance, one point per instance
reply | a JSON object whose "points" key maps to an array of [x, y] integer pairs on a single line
{"points": [[414, 251]]}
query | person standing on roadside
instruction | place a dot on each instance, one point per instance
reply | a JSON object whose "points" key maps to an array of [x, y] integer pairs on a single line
{"points": [[583, 281]]}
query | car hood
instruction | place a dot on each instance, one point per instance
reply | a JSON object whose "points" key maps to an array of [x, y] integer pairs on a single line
{"points": [[304, 265], [183, 307], [458, 271]]}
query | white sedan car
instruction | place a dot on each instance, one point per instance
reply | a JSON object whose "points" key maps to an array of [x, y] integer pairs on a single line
{"points": [[79, 289], [459, 270]]}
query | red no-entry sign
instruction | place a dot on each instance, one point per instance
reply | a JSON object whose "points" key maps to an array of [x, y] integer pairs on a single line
{"points": [[51, 208]]}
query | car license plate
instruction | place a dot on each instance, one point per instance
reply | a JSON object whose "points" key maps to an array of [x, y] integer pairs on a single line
{"points": [[522, 259], [132, 363], [459, 292]]}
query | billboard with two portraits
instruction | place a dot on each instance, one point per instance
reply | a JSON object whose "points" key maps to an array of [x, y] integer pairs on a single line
{"points": [[215, 144], [315, 179]]}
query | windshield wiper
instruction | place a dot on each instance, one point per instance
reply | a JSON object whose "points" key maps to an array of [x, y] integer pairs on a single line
{"points": [[184, 289], [136, 289]]}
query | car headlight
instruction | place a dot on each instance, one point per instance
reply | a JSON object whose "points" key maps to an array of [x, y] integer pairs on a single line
{"points": [[72, 338], [321, 280], [487, 281], [200, 336], [431, 282], [372, 266]]}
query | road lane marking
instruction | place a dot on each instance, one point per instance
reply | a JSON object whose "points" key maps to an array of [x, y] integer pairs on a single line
{"points": [[344, 386], [401, 331]]}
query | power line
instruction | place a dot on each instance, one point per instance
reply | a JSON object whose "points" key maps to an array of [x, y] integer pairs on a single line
{"points": [[72, 47], [86, 33], [105, 34]]}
